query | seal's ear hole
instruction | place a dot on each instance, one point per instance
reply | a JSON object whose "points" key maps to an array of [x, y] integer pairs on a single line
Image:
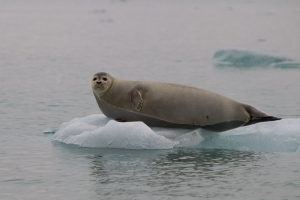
{"points": [[105, 79]]}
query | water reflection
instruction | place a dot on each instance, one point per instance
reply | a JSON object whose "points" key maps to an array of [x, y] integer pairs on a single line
{"points": [[188, 172]]}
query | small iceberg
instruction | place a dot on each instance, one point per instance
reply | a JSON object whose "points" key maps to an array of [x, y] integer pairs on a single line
{"points": [[98, 131], [246, 58]]}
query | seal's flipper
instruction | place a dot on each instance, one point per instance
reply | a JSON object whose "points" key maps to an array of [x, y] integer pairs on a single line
{"points": [[136, 99], [121, 120], [262, 119]]}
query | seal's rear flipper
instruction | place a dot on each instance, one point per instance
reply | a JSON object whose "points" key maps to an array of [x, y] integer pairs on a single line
{"points": [[262, 119]]}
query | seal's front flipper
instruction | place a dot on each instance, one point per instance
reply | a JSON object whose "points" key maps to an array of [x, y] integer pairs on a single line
{"points": [[136, 99], [121, 120], [261, 119]]}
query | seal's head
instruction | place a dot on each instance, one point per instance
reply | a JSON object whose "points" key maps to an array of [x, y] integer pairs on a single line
{"points": [[101, 83]]}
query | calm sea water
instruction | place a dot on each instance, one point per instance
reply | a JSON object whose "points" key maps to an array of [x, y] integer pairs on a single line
{"points": [[49, 51]]}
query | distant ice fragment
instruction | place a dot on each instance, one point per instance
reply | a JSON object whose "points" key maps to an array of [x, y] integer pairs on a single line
{"points": [[245, 58], [286, 65], [50, 131]]}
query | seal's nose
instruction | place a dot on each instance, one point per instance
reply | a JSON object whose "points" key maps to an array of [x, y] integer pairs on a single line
{"points": [[99, 82]]}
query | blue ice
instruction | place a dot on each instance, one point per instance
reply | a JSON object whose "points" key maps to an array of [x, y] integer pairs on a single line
{"points": [[246, 58], [98, 131]]}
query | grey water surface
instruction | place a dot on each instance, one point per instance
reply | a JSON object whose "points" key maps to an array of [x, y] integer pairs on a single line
{"points": [[56, 144]]}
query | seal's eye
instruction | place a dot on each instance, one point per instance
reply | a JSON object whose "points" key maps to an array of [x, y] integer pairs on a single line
{"points": [[105, 79], [94, 79]]}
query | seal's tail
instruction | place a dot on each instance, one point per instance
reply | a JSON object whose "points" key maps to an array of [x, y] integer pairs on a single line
{"points": [[261, 119], [257, 116]]}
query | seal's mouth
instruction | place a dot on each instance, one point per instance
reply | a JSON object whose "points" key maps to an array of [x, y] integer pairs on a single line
{"points": [[99, 86]]}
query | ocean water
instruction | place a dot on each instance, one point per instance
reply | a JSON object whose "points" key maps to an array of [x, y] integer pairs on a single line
{"points": [[56, 144]]}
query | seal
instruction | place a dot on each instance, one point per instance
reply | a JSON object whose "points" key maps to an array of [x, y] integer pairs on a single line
{"points": [[170, 105]]}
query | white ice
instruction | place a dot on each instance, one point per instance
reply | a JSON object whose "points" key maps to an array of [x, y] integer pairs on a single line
{"points": [[98, 131]]}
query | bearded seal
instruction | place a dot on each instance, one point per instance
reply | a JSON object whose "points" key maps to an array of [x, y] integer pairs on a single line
{"points": [[170, 105]]}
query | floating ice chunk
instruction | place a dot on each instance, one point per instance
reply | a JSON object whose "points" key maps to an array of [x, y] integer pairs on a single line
{"points": [[130, 135], [279, 136], [50, 131], [98, 131], [245, 58], [286, 65], [73, 129], [96, 119]]}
